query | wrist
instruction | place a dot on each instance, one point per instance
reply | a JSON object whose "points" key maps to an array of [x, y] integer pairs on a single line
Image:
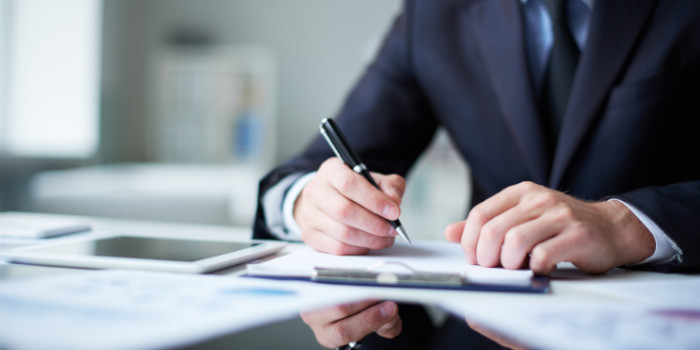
{"points": [[633, 242]]}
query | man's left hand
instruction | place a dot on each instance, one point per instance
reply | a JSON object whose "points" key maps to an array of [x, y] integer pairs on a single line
{"points": [[529, 222]]}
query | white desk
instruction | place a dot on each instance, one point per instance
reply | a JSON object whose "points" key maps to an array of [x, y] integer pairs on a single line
{"points": [[624, 302]]}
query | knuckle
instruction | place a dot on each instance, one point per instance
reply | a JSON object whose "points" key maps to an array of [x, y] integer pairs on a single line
{"points": [[526, 186], [379, 229], [490, 230], [566, 213], [341, 334], [515, 238], [375, 204], [540, 258], [344, 210], [579, 233], [345, 232], [378, 243], [345, 183], [477, 214], [545, 199]]}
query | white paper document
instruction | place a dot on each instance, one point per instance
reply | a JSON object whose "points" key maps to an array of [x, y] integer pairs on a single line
{"points": [[570, 323], [667, 292], [422, 256], [143, 310]]}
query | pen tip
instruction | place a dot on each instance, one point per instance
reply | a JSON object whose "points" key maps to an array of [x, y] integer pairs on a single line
{"points": [[402, 233]]}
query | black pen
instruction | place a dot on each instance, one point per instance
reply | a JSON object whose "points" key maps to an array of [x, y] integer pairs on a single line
{"points": [[350, 346], [341, 148]]}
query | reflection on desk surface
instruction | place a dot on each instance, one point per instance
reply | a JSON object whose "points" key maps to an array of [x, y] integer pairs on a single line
{"points": [[416, 327], [138, 310]]}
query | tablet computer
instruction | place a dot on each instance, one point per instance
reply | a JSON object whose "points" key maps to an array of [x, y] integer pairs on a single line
{"points": [[143, 252]]}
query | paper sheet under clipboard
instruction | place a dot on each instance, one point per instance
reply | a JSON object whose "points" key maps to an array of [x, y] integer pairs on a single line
{"points": [[425, 264]]}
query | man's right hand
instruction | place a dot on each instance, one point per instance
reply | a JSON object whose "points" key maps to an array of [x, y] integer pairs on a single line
{"points": [[341, 324], [340, 212]]}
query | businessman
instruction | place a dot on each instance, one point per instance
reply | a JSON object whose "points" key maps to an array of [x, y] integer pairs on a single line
{"points": [[578, 119]]}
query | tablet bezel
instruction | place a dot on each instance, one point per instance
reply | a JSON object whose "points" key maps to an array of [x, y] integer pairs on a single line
{"points": [[35, 255]]}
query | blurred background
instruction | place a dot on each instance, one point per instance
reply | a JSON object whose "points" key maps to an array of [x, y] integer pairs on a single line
{"points": [[173, 109]]}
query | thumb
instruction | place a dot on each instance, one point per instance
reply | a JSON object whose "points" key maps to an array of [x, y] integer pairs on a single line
{"points": [[453, 231]]}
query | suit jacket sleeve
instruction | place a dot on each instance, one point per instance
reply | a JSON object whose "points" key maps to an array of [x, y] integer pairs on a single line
{"points": [[675, 209], [385, 118]]}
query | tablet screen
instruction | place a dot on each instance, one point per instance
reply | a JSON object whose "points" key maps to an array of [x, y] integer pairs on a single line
{"points": [[148, 248]]}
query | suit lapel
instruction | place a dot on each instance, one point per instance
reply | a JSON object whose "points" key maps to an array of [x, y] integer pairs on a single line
{"points": [[614, 29], [499, 32]]}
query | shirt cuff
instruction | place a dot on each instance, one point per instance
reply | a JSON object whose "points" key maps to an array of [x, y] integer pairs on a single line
{"points": [[271, 203], [293, 229], [666, 249]]}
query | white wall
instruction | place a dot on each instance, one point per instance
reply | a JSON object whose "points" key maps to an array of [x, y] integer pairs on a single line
{"points": [[321, 46]]}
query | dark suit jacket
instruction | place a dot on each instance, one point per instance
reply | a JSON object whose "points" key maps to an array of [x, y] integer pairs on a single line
{"points": [[631, 129]]}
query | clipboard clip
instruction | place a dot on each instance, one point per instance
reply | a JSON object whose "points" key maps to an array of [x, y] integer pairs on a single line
{"points": [[377, 274]]}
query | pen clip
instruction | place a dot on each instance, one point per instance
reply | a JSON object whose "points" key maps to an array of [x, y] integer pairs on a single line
{"points": [[370, 276], [331, 143], [340, 145]]}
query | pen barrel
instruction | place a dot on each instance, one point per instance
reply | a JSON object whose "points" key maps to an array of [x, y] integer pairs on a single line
{"points": [[365, 173]]}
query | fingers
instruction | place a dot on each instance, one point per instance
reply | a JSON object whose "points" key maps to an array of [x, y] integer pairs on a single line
{"points": [[344, 234], [546, 255], [347, 212], [357, 189], [346, 323], [590, 250], [519, 241], [493, 234], [482, 214], [340, 212], [392, 328], [531, 223], [336, 312], [322, 242], [453, 232], [496, 337]]}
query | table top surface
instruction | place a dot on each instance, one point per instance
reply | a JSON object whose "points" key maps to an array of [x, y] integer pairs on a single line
{"points": [[641, 300]]}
